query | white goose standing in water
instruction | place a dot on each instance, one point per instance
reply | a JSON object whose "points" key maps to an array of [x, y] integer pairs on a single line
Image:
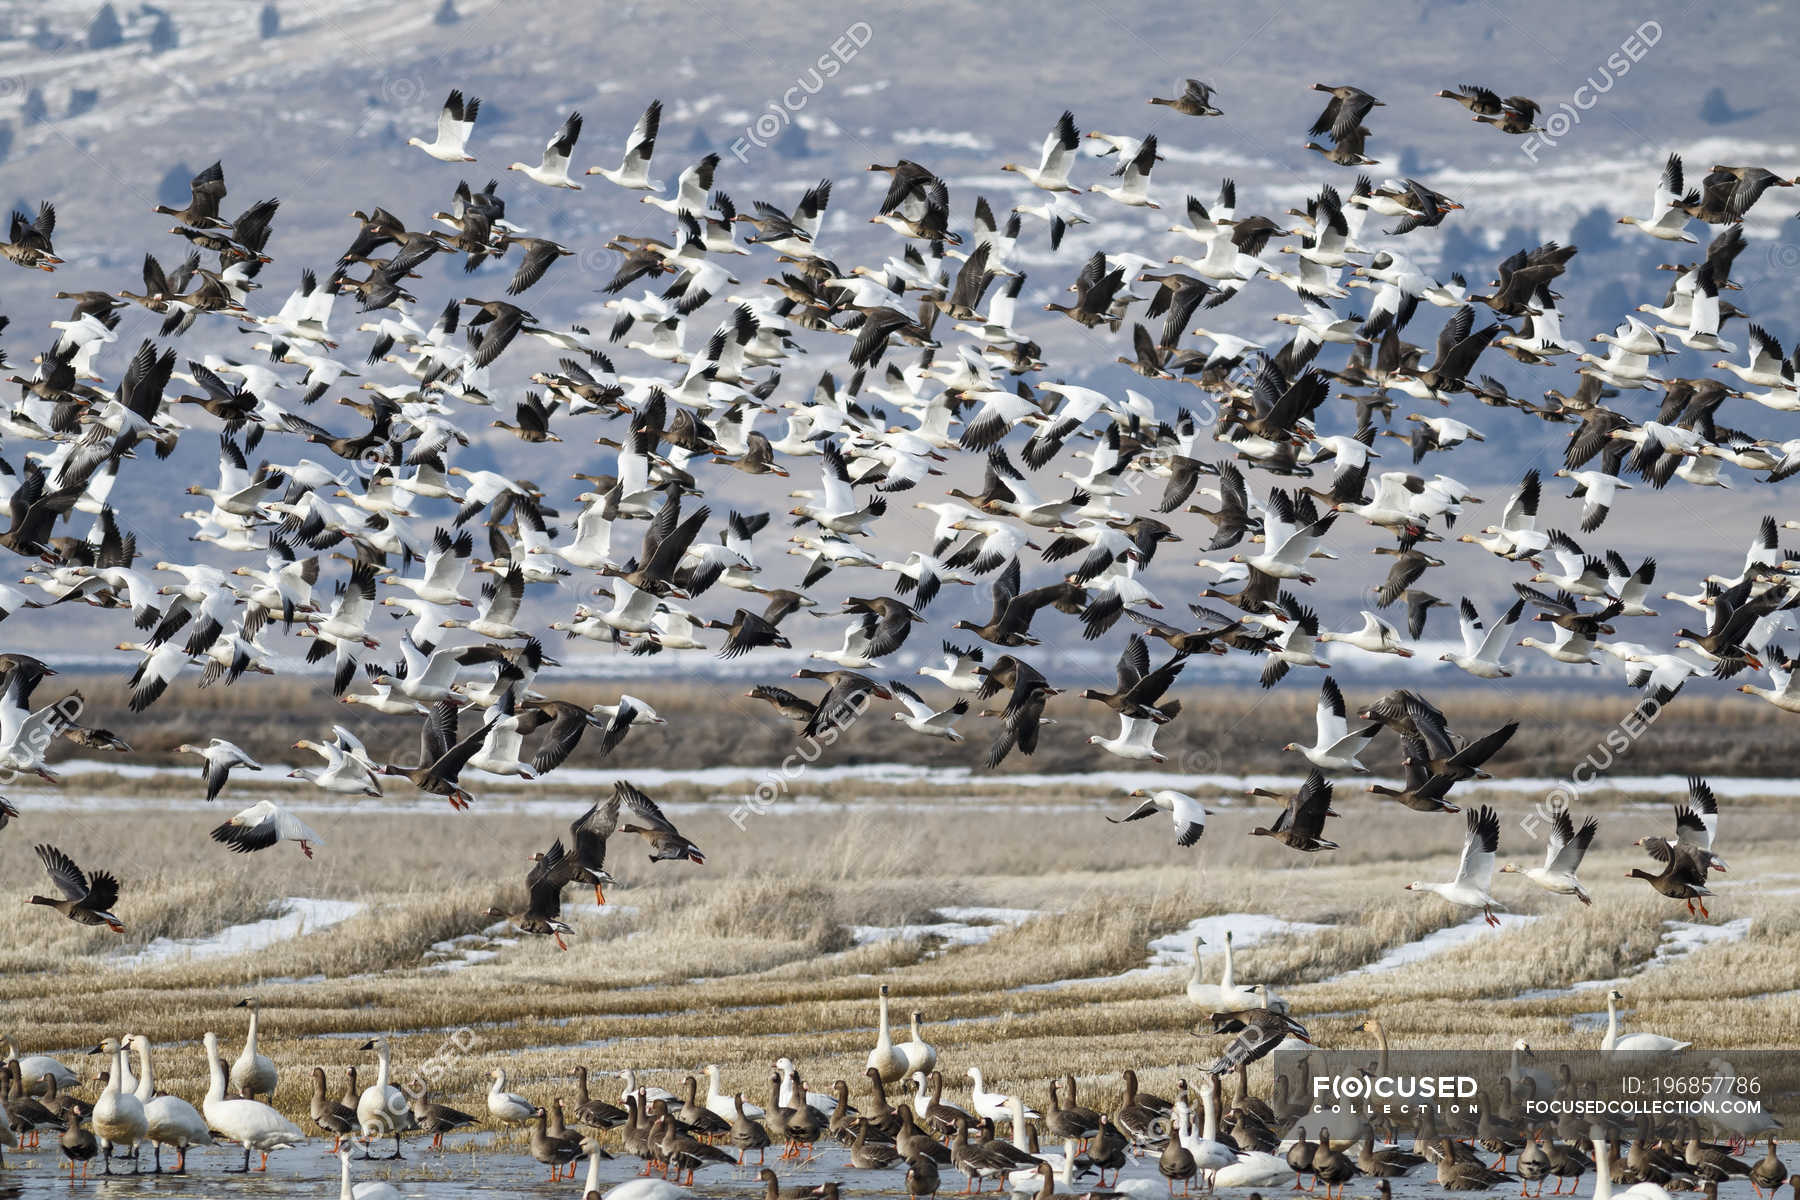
{"points": [[118, 1115], [250, 1123], [170, 1120], [886, 1058], [383, 1108], [253, 1074]]}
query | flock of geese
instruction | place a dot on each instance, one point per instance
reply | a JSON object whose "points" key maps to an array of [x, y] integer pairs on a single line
{"points": [[335, 503], [1256, 1141]]}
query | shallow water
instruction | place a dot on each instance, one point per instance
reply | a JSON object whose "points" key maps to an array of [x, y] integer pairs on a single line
{"points": [[458, 1172]]}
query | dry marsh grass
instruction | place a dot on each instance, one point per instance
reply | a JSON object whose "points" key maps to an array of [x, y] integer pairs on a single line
{"points": [[753, 955]]}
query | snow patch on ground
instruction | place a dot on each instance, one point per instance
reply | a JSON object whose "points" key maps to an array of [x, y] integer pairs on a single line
{"points": [[1436, 943], [299, 916]]}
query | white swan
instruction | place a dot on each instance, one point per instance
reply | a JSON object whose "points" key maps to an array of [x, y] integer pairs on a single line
{"points": [[645, 1189], [250, 1123], [1224, 996], [509, 1108], [1633, 1043], [792, 1085], [996, 1106], [1519, 1074], [118, 1115], [1603, 1179], [33, 1068], [726, 1106], [921, 1055], [171, 1120], [253, 1074], [383, 1108], [649, 1094], [1253, 1168], [886, 1058], [1210, 1154], [921, 1100], [373, 1190]]}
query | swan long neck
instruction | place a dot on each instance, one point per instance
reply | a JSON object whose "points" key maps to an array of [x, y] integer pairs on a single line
{"points": [[1612, 1023], [344, 1190], [112, 1082], [1229, 978], [216, 1089], [593, 1175], [884, 1038], [381, 1053], [1209, 1113], [1602, 1170], [250, 1037], [146, 1088], [1194, 973]]}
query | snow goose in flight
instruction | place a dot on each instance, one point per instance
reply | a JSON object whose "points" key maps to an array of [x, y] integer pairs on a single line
{"points": [[1482, 652], [1582, 574], [1287, 548], [1133, 741], [920, 717], [1134, 177], [553, 170], [263, 825], [1375, 637], [221, 756], [1187, 813], [1060, 212], [633, 171], [500, 750], [1668, 217], [1475, 872], [1052, 172], [692, 188], [1562, 858], [342, 773], [1766, 367], [1335, 747], [456, 121], [1704, 315], [1784, 695], [959, 670], [1596, 490]]}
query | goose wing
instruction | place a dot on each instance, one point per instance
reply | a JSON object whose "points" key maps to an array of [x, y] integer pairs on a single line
{"points": [[68, 878], [1568, 847], [1479, 848]]}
